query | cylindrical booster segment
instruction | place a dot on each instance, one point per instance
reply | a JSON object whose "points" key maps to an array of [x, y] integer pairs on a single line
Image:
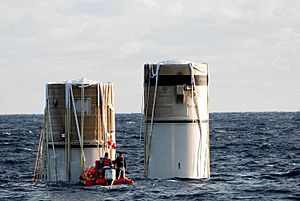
{"points": [[176, 120], [65, 128]]}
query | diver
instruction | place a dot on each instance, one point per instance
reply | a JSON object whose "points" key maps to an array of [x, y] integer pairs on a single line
{"points": [[120, 164], [105, 163]]}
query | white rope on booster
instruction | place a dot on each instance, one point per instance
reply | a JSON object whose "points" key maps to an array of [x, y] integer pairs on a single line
{"points": [[153, 107], [146, 119], [82, 114], [110, 105], [67, 128], [141, 118], [37, 172], [192, 86], [98, 126], [102, 88], [110, 112], [77, 124], [51, 131], [195, 101], [67, 97], [42, 160]]}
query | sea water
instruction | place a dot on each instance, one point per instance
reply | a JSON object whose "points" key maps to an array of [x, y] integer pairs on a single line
{"points": [[254, 156]]}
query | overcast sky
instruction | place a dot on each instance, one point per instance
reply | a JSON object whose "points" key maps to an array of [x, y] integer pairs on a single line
{"points": [[252, 48]]}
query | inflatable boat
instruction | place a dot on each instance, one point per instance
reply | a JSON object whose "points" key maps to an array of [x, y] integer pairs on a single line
{"points": [[106, 177]]}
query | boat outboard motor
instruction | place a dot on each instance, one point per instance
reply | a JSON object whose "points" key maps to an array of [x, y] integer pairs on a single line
{"points": [[110, 174]]}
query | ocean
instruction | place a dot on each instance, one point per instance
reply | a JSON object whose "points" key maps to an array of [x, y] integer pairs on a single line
{"points": [[254, 156]]}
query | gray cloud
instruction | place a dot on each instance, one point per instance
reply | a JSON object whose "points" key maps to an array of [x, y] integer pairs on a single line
{"points": [[251, 47]]}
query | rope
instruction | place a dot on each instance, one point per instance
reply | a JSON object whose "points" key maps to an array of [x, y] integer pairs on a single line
{"points": [[153, 108], [42, 154], [146, 118], [82, 123], [195, 101], [192, 85], [68, 87], [43, 158], [102, 88], [208, 144], [66, 128], [47, 147], [37, 160], [199, 151], [77, 124], [51, 133], [112, 118], [98, 118]]}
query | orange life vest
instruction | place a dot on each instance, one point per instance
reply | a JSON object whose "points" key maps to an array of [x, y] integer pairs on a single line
{"points": [[106, 162]]}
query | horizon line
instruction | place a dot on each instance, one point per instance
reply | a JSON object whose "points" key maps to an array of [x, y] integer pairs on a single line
{"points": [[266, 111]]}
